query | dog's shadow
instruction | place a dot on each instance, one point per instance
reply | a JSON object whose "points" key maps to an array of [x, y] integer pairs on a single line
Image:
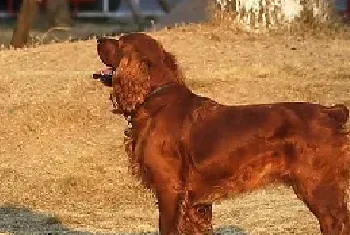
{"points": [[223, 230], [230, 230], [20, 220]]}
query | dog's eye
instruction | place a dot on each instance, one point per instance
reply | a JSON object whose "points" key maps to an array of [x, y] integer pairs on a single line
{"points": [[148, 63], [201, 210]]}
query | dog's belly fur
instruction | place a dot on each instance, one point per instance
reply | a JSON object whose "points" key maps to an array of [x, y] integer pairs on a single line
{"points": [[235, 174]]}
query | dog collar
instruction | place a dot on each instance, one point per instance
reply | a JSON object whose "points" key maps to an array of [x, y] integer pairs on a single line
{"points": [[129, 116], [157, 90]]}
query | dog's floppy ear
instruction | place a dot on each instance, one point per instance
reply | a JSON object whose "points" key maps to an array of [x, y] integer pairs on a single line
{"points": [[107, 49], [131, 83]]}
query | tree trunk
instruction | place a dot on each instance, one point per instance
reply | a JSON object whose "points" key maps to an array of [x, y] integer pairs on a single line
{"points": [[24, 21], [271, 13]]}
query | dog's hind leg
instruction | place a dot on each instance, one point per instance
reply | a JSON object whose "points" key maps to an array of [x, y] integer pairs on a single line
{"points": [[326, 200], [194, 218]]}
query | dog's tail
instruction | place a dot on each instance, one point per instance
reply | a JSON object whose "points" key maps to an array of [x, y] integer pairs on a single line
{"points": [[339, 113]]}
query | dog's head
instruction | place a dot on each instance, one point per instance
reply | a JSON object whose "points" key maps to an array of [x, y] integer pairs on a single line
{"points": [[107, 50], [140, 65]]}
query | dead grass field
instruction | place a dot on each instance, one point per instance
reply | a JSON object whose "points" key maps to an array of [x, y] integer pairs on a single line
{"points": [[62, 164]]}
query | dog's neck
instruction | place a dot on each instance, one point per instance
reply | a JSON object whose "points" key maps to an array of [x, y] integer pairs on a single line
{"points": [[154, 92]]}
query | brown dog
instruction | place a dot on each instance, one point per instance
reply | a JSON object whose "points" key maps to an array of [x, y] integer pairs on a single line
{"points": [[190, 150]]}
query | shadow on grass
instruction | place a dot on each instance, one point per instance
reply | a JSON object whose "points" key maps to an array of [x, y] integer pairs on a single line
{"points": [[19, 220], [224, 230]]}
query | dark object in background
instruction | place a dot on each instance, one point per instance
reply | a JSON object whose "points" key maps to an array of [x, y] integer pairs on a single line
{"points": [[105, 78], [97, 5], [58, 14], [114, 5]]}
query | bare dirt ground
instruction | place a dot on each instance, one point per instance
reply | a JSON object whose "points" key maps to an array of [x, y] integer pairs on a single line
{"points": [[63, 167]]}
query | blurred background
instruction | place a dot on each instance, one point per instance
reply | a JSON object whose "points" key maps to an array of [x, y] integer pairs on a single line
{"points": [[83, 9], [56, 20], [81, 18], [123, 9]]}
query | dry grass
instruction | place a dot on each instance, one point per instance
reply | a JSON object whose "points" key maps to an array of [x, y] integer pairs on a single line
{"points": [[61, 149]]}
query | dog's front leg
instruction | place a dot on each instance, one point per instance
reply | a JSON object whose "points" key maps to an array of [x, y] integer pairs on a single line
{"points": [[168, 211]]}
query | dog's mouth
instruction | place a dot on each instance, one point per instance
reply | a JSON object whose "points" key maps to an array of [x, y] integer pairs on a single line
{"points": [[112, 95], [106, 76], [115, 108]]}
